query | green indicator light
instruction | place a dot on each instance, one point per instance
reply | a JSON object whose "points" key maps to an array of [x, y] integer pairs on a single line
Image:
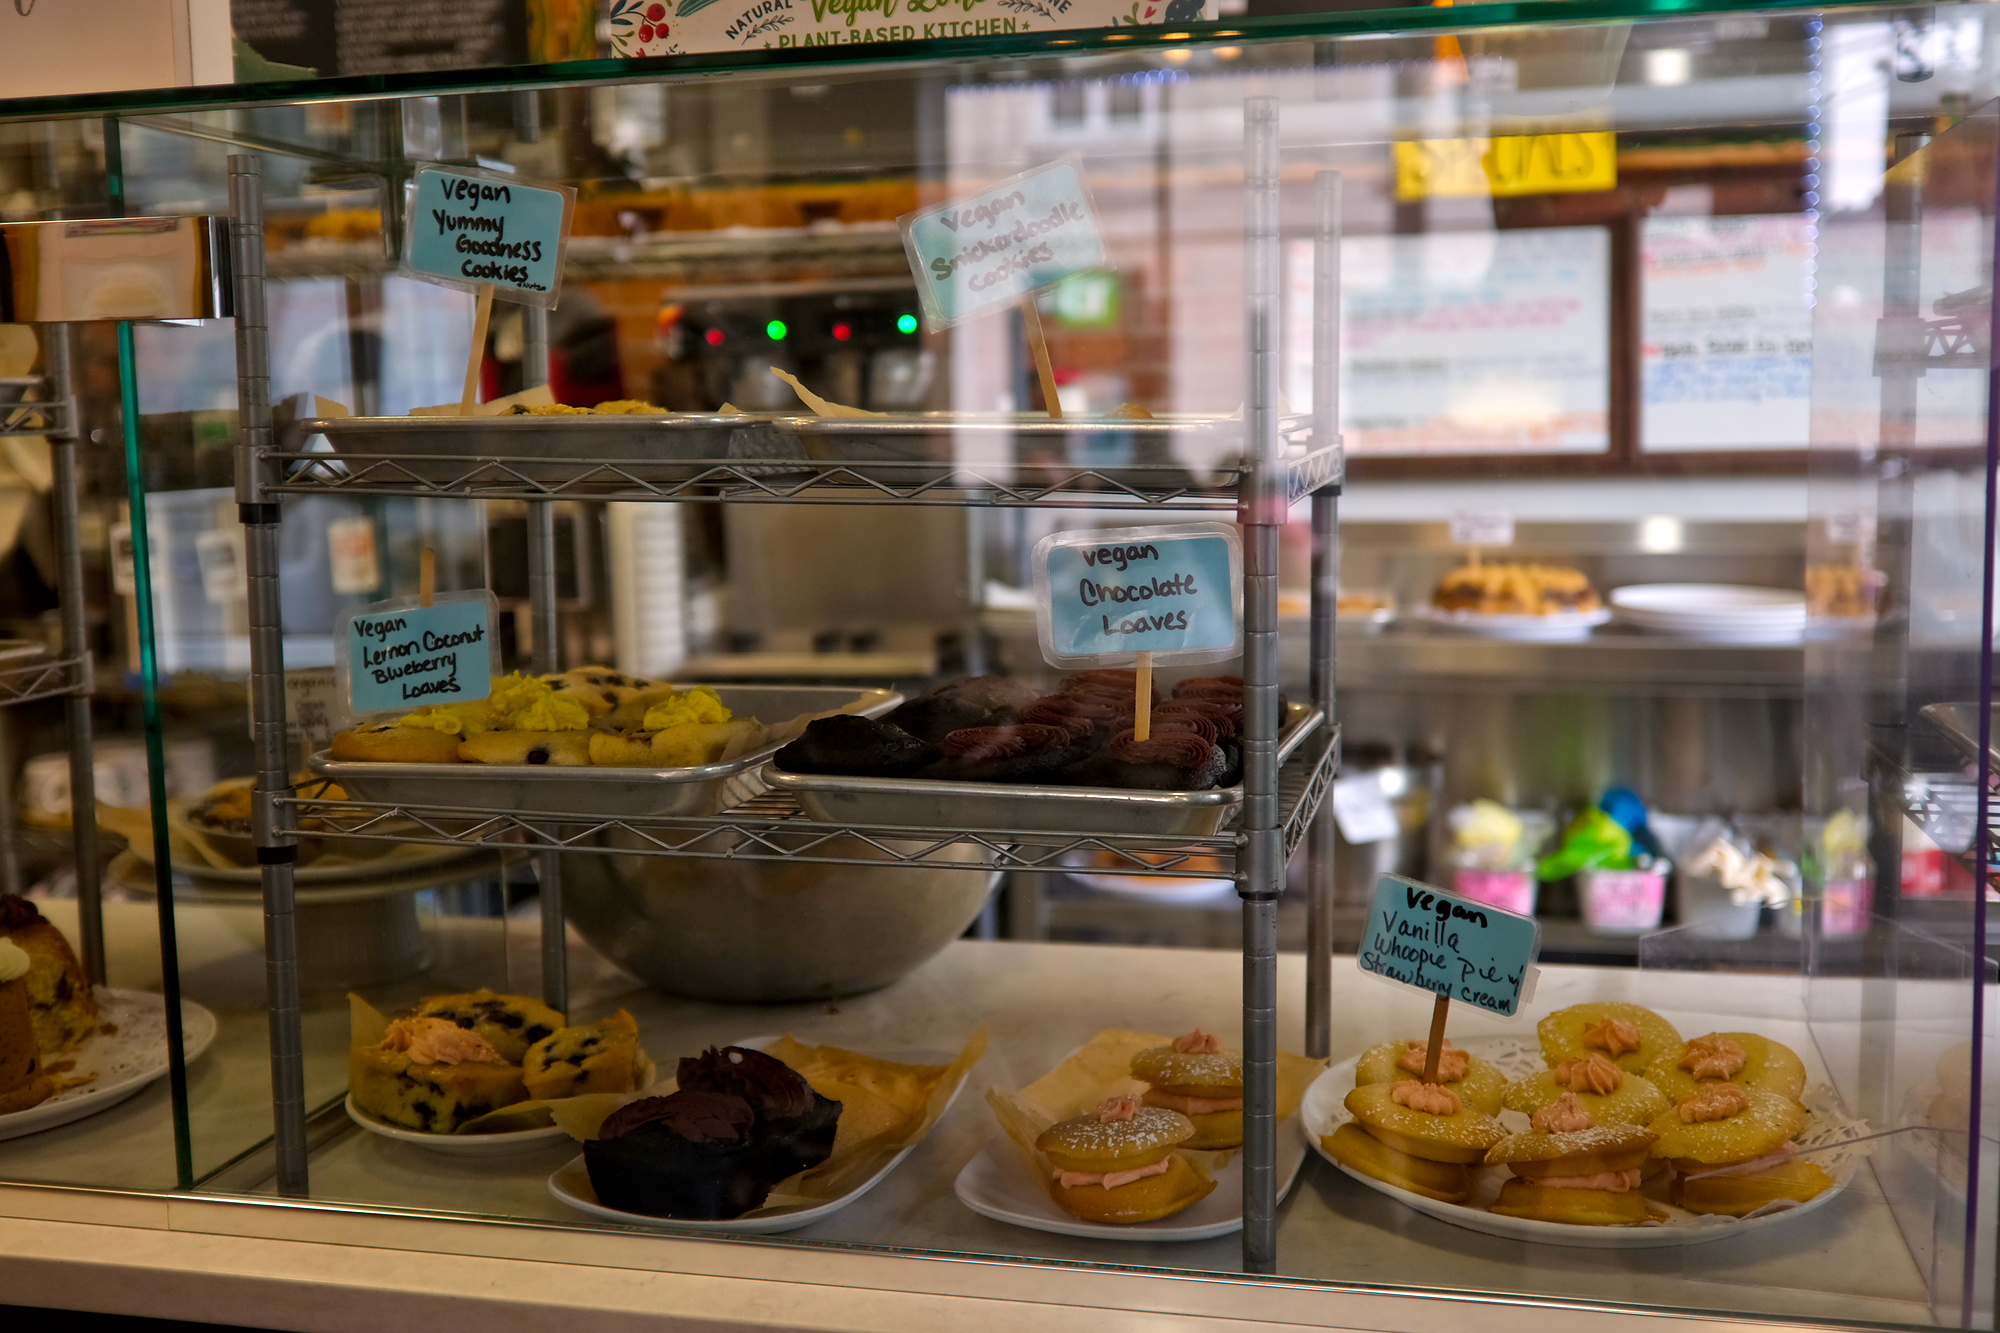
{"points": [[775, 330], [906, 323]]}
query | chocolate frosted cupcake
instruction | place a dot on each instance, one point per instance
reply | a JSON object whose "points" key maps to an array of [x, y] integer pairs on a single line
{"points": [[970, 701], [850, 746], [740, 1122], [1105, 680], [1089, 718], [1024, 752], [1165, 761], [794, 1120], [692, 1155]]}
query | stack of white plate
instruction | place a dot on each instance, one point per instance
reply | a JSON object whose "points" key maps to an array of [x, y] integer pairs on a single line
{"points": [[1714, 612]]}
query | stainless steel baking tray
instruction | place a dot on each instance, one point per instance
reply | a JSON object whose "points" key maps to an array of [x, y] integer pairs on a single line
{"points": [[667, 449], [1003, 807], [1128, 450], [609, 793], [1960, 724]]}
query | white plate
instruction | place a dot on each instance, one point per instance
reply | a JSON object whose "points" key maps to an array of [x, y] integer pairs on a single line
{"points": [[1322, 1112], [458, 1145], [124, 1061], [1558, 627], [997, 1184], [1716, 612], [570, 1182], [1178, 889], [352, 883]]}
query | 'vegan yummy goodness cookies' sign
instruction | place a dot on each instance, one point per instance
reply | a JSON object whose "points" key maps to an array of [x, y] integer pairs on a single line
{"points": [[682, 27]]}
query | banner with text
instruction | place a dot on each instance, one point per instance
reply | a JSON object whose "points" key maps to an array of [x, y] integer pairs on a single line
{"points": [[684, 27]]}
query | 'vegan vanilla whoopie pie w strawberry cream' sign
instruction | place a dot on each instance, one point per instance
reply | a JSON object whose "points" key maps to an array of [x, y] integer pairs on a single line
{"points": [[684, 27]]}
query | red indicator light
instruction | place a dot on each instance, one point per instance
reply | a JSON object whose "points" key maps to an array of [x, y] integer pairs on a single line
{"points": [[842, 332], [713, 337]]}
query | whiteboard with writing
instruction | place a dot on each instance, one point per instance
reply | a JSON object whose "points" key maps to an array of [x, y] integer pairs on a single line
{"points": [[400, 656], [1448, 945], [1476, 342], [1726, 328]]}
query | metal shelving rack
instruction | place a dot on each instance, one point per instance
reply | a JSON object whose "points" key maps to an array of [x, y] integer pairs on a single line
{"points": [[69, 675], [1282, 808]]}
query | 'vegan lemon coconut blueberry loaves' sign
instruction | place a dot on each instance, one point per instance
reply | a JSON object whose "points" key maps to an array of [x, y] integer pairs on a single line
{"points": [[683, 27]]}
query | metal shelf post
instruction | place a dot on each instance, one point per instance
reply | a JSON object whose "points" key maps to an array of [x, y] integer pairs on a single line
{"points": [[547, 657], [76, 649], [1320, 847], [1260, 874], [277, 850]]}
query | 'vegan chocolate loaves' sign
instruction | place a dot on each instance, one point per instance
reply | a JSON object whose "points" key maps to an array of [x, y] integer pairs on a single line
{"points": [[1102, 598]]}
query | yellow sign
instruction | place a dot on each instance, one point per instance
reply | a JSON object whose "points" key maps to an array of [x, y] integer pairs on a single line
{"points": [[1516, 164]]}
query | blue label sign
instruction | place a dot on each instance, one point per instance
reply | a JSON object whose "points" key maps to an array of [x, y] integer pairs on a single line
{"points": [[473, 228], [987, 250], [1169, 591], [403, 657], [1447, 945]]}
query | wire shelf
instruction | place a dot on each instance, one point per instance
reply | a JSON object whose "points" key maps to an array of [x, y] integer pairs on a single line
{"points": [[793, 481], [44, 678], [771, 827]]}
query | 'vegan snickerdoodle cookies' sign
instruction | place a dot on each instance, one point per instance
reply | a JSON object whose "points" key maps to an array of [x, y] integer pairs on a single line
{"points": [[987, 250], [1453, 947]]}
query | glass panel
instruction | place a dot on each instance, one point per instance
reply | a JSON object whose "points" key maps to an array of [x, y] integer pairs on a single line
{"points": [[1602, 285]]}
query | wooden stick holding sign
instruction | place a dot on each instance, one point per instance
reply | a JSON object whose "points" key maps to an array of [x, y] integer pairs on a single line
{"points": [[427, 576], [482, 319], [1038, 348], [998, 247], [1142, 698], [1434, 1049]]}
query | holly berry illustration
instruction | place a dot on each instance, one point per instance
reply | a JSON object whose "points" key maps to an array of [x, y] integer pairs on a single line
{"points": [[645, 32], [656, 12]]}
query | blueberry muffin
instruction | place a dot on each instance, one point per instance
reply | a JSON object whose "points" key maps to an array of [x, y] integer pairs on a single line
{"points": [[510, 1023], [594, 1057]]}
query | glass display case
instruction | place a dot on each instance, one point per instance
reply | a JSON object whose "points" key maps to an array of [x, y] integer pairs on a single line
{"points": [[1600, 395]]}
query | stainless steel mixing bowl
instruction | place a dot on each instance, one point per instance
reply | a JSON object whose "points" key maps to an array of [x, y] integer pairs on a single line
{"points": [[770, 930]]}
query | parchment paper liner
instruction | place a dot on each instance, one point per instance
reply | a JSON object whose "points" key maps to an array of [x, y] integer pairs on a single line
{"points": [[1102, 1067]]}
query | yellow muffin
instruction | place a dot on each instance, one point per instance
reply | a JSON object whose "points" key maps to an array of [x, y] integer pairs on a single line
{"points": [[601, 690], [1629, 1035], [430, 1074], [1353, 1146], [1724, 1124], [510, 1023], [594, 1057], [557, 749], [1480, 1083], [1412, 1117], [1742, 1058], [1197, 1076], [389, 743], [1608, 1093]]}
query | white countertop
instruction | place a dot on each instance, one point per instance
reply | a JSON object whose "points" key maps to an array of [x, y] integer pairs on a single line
{"points": [[250, 1258]]}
